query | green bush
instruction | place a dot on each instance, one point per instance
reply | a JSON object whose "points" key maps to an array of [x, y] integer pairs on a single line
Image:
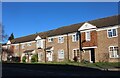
{"points": [[24, 59], [34, 58], [84, 61]]}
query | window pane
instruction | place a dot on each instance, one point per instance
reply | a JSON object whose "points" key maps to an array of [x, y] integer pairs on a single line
{"points": [[73, 37], [112, 54], [111, 48], [74, 52], [116, 48], [61, 54], [110, 34], [88, 36], [78, 54], [114, 32], [77, 37]]}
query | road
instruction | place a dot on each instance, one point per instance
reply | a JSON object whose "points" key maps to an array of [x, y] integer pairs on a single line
{"points": [[16, 70]]}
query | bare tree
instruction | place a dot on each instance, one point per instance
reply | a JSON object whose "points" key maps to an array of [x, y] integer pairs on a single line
{"points": [[3, 35]]}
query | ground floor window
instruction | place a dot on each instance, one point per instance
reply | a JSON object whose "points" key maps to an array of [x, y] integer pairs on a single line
{"points": [[76, 53], [61, 54], [113, 52]]}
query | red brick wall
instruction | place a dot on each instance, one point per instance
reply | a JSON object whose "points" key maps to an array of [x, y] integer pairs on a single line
{"points": [[92, 42]]}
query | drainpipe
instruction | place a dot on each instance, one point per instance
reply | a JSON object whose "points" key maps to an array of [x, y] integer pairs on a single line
{"points": [[45, 50], [80, 46], [19, 52], [68, 46]]}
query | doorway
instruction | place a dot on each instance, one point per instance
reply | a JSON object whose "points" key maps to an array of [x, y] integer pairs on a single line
{"points": [[92, 55], [49, 56]]}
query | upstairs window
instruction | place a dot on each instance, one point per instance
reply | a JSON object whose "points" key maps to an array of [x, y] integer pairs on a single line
{"points": [[16, 46], [75, 37], [50, 39], [39, 43], [113, 52], [60, 39], [87, 35], [28, 44], [23, 46], [112, 33]]}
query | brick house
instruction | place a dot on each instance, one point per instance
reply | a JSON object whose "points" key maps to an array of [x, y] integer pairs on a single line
{"points": [[94, 41]]}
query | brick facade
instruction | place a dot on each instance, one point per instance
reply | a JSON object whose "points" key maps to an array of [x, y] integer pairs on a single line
{"points": [[95, 50]]}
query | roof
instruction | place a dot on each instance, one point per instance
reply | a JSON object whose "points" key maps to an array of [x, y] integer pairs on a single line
{"points": [[105, 22], [99, 23]]}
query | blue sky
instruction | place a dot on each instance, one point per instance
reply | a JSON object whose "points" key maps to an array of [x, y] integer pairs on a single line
{"points": [[30, 17]]}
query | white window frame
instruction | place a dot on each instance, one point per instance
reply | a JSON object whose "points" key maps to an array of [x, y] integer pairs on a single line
{"points": [[50, 40], [115, 53], [23, 46], [61, 53], [76, 52], [16, 46], [38, 43], [75, 37], [61, 39], [87, 33], [112, 33], [29, 44]]}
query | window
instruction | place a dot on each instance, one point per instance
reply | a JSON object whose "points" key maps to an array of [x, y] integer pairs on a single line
{"points": [[28, 44], [76, 53], [61, 54], [87, 36], [16, 47], [75, 37], [50, 39], [39, 43], [113, 52], [112, 33], [60, 39], [23, 46]]}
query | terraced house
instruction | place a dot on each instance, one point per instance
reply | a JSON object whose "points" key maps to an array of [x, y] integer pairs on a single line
{"points": [[94, 41]]}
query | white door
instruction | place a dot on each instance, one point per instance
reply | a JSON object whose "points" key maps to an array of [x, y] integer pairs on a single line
{"points": [[40, 56], [49, 56]]}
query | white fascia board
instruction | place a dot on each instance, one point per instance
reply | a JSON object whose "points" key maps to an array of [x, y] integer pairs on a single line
{"points": [[88, 30], [38, 38], [30, 42], [89, 47], [87, 26], [107, 28], [15, 44], [76, 49], [58, 36], [27, 42], [72, 33]]}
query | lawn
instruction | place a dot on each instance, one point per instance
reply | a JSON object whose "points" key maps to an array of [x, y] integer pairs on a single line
{"points": [[104, 65]]}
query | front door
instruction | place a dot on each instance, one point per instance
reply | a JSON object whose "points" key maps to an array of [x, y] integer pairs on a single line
{"points": [[49, 56], [92, 54]]}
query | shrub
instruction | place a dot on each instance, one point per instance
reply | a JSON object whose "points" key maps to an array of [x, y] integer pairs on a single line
{"points": [[84, 61], [24, 59], [16, 59], [75, 58], [34, 58]]}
